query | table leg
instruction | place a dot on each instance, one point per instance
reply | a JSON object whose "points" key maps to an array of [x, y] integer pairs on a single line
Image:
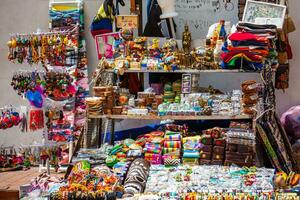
{"points": [[99, 132], [112, 139]]}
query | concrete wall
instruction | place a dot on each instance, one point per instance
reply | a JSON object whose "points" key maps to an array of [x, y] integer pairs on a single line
{"points": [[19, 16]]}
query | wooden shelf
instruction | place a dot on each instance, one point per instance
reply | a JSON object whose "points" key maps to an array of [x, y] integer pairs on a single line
{"points": [[171, 117], [188, 71]]}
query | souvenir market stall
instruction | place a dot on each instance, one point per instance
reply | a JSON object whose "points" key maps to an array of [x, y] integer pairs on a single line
{"points": [[206, 143]]}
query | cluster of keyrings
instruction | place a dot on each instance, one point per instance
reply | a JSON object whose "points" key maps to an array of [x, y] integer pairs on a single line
{"points": [[9, 118], [45, 49]]}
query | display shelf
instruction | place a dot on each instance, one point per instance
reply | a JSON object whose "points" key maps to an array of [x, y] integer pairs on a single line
{"points": [[172, 117], [187, 71]]}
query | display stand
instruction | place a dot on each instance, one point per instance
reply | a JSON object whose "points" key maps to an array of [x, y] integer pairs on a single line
{"points": [[115, 118]]}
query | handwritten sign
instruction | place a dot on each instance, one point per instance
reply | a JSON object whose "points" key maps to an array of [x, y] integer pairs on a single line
{"points": [[200, 14], [127, 21]]}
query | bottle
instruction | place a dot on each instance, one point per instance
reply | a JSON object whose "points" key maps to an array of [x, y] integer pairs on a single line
{"points": [[217, 52]]}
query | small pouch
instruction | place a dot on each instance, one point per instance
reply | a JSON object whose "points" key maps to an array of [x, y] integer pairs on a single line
{"points": [[249, 110], [250, 99], [249, 87]]}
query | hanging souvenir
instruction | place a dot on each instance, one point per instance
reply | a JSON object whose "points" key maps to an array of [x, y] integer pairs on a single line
{"points": [[282, 76], [9, 118], [48, 48], [102, 22], [59, 86], [10, 160], [36, 119]]}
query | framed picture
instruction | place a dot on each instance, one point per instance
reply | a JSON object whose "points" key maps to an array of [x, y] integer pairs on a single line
{"points": [[264, 13], [105, 44], [186, 84]]}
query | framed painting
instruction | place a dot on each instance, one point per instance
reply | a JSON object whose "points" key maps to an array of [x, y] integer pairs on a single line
{"points": [[264, 13]]}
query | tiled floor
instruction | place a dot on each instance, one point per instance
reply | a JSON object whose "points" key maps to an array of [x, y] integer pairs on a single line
{"points": [[13, 180]]}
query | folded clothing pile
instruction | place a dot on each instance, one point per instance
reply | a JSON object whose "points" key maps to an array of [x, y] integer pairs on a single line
{"points": [[153, 147], [191, 150], [249, 46], [172, 147]]}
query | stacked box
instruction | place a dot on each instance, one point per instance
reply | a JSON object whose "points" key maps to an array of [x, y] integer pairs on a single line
{"points": [[213, 148], [108, 95], [240, 148]]}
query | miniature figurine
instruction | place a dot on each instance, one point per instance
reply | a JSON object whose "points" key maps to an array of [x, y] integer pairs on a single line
{"points": [[186, 39]]}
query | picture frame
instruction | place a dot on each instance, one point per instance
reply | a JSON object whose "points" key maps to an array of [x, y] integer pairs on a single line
{"points": [[105, 44], [263, 13]]}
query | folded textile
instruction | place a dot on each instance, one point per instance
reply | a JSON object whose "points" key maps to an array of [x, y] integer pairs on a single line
{"points": [[190, 160], [191, 155], [241, 36], [226, 57], [170, 156], [168, 132], [173, 137], [171, 162], [152, 145], [172, 144], [153, 158], [191, 139], [249, 43], [257, 26], [153, 150], [174, 151]]}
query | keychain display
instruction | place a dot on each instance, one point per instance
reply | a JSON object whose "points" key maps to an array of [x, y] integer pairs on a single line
{"points": [[52, 48], [29, 84], [9, 118], [10, 160], [59, 86]]}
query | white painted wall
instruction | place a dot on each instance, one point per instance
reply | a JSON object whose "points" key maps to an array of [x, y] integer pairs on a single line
{"points": [[26, 16]]}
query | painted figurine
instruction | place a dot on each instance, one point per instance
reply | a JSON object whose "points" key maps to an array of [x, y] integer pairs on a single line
{"points": [[186, 39]]}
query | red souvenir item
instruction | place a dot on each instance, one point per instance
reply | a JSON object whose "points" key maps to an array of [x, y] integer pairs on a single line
{"points": [[36, 120], [9, 119]]}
